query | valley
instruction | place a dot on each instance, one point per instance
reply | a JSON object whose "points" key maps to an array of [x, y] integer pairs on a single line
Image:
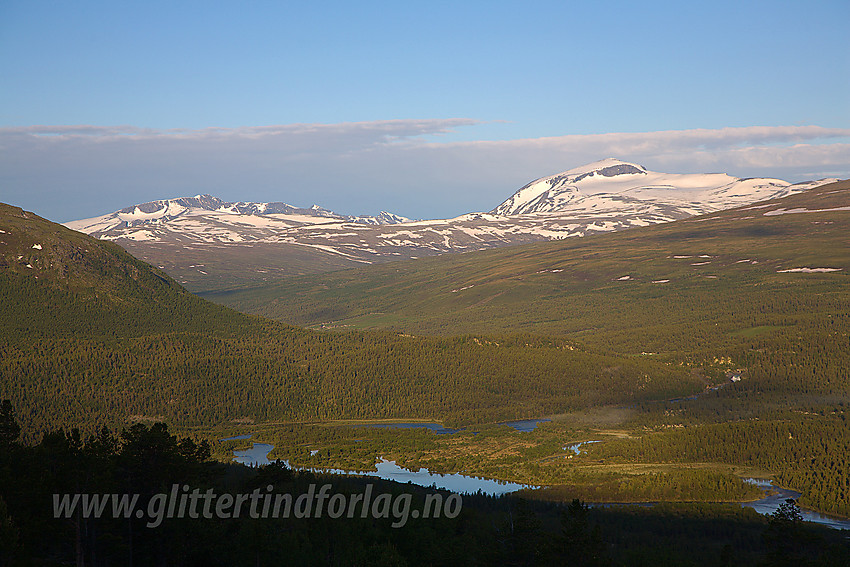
{"points": [[407, 284], [733, 294], [683, 358]]}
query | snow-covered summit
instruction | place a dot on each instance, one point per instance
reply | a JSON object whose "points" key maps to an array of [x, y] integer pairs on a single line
{"points": [[608, 167], [615, 185]]}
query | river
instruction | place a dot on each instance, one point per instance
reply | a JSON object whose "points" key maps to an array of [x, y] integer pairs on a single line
{"points": [[257, 455], [775, 496]]}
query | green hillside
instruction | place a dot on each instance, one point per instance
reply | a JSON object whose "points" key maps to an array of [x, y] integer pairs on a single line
{"points": [[92, 336], [707, 283], [217, 267]]}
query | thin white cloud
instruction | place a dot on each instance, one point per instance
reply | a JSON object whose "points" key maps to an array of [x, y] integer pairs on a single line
{"points": [[69, 172], [376, 130], [734, 148]]}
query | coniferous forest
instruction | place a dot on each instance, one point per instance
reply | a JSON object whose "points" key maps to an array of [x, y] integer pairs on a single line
{"points": [[117, 380]]}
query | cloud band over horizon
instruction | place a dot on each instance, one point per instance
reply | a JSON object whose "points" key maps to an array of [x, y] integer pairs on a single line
{"points": [[410, 167]]}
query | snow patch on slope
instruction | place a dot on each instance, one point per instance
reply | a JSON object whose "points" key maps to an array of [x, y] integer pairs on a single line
{"points": [[809, 270]]}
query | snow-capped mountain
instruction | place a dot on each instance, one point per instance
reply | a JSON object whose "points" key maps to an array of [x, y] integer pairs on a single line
{"points": [[173, 211], [207, 243], [613, 185]]}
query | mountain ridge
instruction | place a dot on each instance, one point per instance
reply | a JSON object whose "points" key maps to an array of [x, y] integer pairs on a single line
{"points": [[165, 210], [206, 243]]}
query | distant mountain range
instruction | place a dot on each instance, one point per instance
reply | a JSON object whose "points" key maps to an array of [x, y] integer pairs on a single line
{"points": [[207, 243], [173, 212]]}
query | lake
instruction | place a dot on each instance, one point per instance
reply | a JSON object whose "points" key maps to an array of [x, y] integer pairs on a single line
{"points": [[258, 455], [454, 482]]}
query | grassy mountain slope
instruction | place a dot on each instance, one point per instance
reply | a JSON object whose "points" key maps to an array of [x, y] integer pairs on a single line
{"points": [[58, 282], [205, 267], [707, 282], [92, 336]]}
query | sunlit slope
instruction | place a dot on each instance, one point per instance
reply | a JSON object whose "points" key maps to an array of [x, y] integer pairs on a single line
{"points": [[90, 336], [701, 283], [58, 282]]}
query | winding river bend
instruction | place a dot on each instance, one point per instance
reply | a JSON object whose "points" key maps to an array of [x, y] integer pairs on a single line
{"points": [[776, 496], [257, 455]]}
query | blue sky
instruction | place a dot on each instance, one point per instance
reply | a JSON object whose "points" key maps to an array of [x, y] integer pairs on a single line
{"points": [[428, 109]]}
